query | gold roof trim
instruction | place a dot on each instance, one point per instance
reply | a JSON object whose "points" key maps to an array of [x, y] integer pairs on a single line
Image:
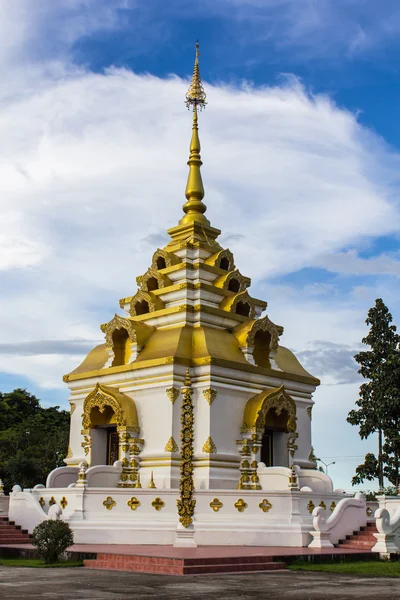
{"points": [[257, 408], [246, 332], [124, 406]]}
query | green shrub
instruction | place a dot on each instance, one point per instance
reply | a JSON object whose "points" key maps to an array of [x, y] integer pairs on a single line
{"points": [[52, 538]]}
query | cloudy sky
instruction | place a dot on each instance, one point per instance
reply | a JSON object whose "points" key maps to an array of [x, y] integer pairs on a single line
{"points": [[300, 143]]}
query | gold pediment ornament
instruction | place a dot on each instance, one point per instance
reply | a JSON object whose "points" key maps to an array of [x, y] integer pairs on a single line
{"points": [[138, 332], [123, 406], [215, 260], [151, 273], [230, 304], [210, 395], [209, 447], [224, 280], [246, 332], [168, 258], [257, 408], [154, 303], [171, 445], [172, 393]]}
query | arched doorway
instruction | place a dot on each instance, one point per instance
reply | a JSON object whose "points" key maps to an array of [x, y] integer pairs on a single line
{"points": [[110, 431], [269, 421], [273, 441]]}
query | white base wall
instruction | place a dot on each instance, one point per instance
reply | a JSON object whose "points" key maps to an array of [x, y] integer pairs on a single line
{"points": [[287, 522]]}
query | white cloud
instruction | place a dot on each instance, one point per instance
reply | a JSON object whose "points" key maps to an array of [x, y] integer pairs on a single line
{"points": [[350, 263], [92, 164]]}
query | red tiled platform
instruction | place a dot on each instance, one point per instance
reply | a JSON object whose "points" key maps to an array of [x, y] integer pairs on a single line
{"points": [[202, 560]]}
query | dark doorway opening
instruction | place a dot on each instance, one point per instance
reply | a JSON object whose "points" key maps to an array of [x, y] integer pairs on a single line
{"points": [[267, 448], [112, 445]]}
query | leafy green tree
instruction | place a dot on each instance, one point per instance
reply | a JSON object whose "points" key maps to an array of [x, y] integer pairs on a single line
{"points": [[379, 398], [33, 439]]}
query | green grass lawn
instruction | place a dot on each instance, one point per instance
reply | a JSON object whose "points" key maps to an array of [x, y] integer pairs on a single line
{"points": [[36, 562], [371, 568]]}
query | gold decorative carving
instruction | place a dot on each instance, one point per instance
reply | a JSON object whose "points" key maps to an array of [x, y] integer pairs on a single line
{"points": [[133, 503], [279, 401], [186, 503], [240, 505], [215, 259], [332, 506], [73, 407], [210, 395], [86, 444], [109, 503], [63, 502], [138, 485], [216, 505], [103, 396], [246, 333], [69, 453], [209, 446], [162, 280], [172, 394], [170, 259], [118, 322], [322, 504], [265, 505], [158, 503], [229, 304], [309, 412], [310, 506], [291, 443], [311, 456], [152, 485], [52, 501], [42, 501], [153, 302], [171, 445]]}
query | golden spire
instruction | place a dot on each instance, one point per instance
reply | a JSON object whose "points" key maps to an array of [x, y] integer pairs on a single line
{"points": [[196, 98]]}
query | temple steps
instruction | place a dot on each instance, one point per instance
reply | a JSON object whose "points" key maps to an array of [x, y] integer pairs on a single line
{"points": [[10, 533], [363, 539], [182, 566]]}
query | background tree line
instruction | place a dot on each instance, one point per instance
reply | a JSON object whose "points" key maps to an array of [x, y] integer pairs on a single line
{"points": [[378, 405], [33, 439]]}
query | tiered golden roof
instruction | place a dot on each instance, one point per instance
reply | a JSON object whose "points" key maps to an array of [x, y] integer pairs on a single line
{"points": [[192, 306]]}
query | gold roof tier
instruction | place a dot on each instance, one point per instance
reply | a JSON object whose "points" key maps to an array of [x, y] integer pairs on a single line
{"points": [[192, 306]]}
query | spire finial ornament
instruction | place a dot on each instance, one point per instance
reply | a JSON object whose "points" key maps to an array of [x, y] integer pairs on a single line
{"points": [[194, 208]]}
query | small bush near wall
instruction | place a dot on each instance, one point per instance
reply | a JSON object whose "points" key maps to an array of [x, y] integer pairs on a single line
{"points": [[52, 538]]}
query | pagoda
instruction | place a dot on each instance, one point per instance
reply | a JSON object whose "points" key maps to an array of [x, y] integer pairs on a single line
{"points": [[191, 423]]}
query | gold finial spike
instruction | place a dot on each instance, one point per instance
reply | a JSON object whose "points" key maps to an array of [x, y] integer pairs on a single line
{"points": [[187, 382], [138, 484], [196, 98], [152, 485]]}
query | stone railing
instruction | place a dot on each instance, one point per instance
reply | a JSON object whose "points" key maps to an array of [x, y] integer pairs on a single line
{"points": [[348, 516], [388, 525]]}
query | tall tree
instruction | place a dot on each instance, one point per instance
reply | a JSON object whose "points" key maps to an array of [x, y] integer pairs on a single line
{"points": [[33, 439], [379, 398]]}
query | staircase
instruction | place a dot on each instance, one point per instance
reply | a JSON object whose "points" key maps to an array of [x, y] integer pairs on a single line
{"points": [[183, 566], [12, 534], [360, 540]]}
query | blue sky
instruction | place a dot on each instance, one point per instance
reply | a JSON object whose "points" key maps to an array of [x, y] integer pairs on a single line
{"points": [[300, 140]]}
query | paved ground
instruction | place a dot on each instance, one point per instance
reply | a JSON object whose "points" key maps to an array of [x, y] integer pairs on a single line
{"points": [[84, 584]]}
